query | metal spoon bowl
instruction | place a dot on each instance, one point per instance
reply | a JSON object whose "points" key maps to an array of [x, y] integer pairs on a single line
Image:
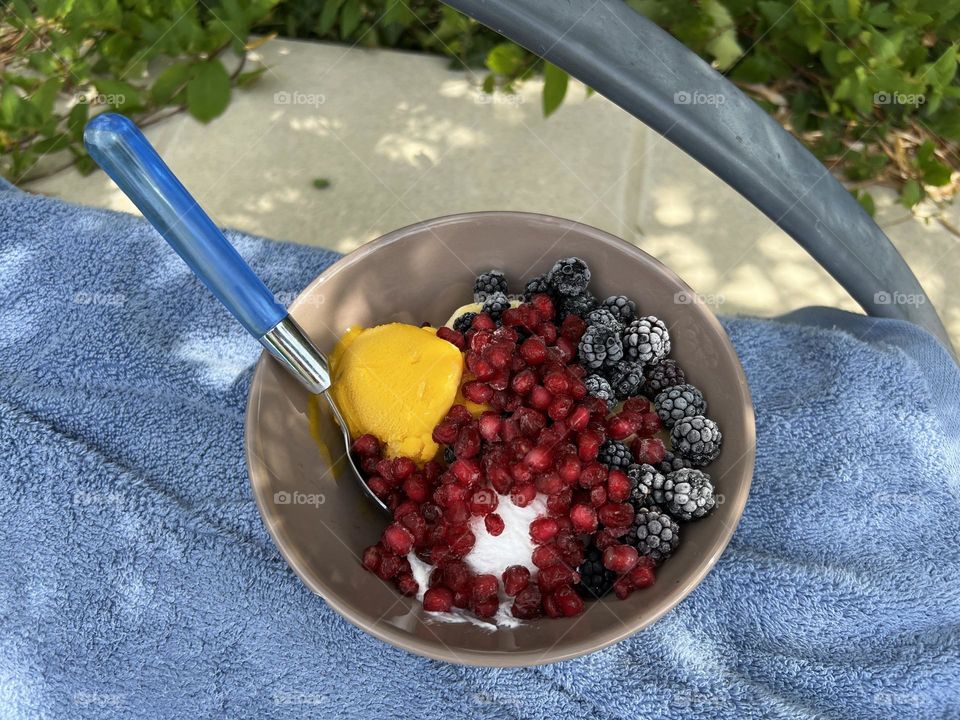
{"points": [[122, 151]]}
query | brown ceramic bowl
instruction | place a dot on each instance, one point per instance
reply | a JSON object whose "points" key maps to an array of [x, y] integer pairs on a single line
{"points": [[319, 517]]}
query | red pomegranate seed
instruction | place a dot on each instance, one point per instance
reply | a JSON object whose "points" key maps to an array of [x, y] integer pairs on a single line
{"points": [[549, 483], [616, 515], [366, 445], [550, 606], [638, 404], [489, 426], [540, 398], [530, 422], [494, 524], [650, 425], [450, 493], [403, 467], [523, 382], [371, 558], [623, 587], [452, 336], [398, 539], [483, 370], [533, 350], [483, 501], [369, 464], [620, 558], [579, 418], [407, 585], [572, 327], [440, 554], [445, 433], [548, 331], [521, 473], [560, 407], [459, 414], [468, 442], [622, 426], [466, 471], [553, 576], [568, 601], [484, 586], [482, 321], [500, 478], [385, 470], [378, 486], [588, 445], [523, 494], [543, 529], [648, 450], [584, 518], [457, 513], [604, 539], [594, 473], [437, 599], [477, 392], [461, 599], [498, 355], [546, 555], [389, 567], [598, 496], [416, 488], [515, 579], [539, 458], [456, 575], [485, 608], [559, 504], [618, 486], [405, 508], [431, 513], [569, 467], [462, 543], [556, 382], [642, 576], [512, 317], [528, 603], [567, 349], [544, 306]]}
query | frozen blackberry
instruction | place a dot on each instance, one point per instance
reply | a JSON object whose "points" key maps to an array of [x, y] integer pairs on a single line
{"points": [[646, 340], [689, 495], [626, 379], [672, 462], [615, 454], [622, 308], [487, 284], [602, 316], [462, 323], [569, 276], [679, 402], [600, 346], [576, 305], [595, 579], [598, 386], [645, 481], [697, 439], [664, 374], [495, 304], [448, 455], [655, 534], [536, 286]]}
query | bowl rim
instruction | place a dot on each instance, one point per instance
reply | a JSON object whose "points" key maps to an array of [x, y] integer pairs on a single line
{"points": [[462, 656]]}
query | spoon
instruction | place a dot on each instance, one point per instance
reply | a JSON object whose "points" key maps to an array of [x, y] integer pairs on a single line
{"points": [[118, 146]]}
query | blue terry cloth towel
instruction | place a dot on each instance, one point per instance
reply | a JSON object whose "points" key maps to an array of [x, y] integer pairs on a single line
{"points": [[138, 580]]}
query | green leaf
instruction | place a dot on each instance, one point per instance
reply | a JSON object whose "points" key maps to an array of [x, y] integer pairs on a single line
{"points": [[328, 16], [118, 94], [350, 18], [866, 202], [936, 174], [321, 183], [554, 88], [506, 59], [208, 91], [910, 194], [170, 81], [945, 68], [246, 79]]}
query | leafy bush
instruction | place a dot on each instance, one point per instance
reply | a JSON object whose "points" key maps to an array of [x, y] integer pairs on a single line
{"points": [[60, 57], [870, 87]]}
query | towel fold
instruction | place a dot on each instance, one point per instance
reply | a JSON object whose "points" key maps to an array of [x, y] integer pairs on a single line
{"points": [[138, 580]]}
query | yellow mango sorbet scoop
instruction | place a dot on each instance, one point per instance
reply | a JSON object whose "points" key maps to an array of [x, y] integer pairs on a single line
{"points": [[396, 382]]}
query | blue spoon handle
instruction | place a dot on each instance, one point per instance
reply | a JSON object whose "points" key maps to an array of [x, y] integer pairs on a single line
{"points": [[118, 146]]}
